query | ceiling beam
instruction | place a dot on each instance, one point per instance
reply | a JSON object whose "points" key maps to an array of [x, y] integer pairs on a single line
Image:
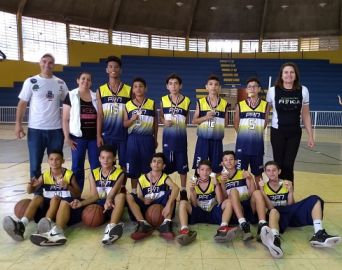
{"points": [[114, 12], [340, 26], [192, 13], [20, 10], [263, 20]]}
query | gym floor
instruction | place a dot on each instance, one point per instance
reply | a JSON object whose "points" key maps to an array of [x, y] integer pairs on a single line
{"points": [[318, 171]]}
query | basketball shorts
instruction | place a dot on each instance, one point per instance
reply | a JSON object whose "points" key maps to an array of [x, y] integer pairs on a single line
{"points": [[176, 161], [198, 215], [255, 162]]}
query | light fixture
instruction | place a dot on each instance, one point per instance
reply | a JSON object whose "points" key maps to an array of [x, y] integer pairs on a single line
{"points": [[284, 6], [322, 4], [179, 4], [213, 8], [249, 7]]}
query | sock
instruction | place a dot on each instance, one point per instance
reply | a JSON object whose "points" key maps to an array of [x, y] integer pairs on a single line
{"points": [[275, 231], [183, 188], [57, 229], [134, 190], [317, 225], [25, 221], [262, 221], [224, 224], [241, 220], [184, 227]]}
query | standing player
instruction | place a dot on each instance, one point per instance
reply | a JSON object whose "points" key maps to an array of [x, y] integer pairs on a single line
{"points": [[174, 110], [249, 123], [44, 92], [141, 120], [111, 100], [211, 117]]}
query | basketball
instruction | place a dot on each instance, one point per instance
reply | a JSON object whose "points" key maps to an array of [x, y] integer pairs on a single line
{"points": [[20, 207], [154, 215], [92, 215]]}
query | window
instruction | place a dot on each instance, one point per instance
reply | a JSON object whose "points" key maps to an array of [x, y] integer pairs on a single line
{"points": [[319, 44], [84, 33], [168, 43], [9, 35], [197, 45], [130, 39], [224, 45], [250, 46], [280, 45], [41, 36]]}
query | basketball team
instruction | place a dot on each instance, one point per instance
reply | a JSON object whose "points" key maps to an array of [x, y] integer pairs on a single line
{"points": [[119, 120]]}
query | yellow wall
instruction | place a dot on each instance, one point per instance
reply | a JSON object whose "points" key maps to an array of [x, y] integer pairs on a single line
{"points": [[91, 52]]}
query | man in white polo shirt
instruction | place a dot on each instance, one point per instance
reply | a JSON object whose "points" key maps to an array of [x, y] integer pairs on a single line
{"points": [[43, 93]]}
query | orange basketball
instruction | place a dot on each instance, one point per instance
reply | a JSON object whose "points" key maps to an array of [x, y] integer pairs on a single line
{"points": [[154, 215], [20, 207], [92, 215]]}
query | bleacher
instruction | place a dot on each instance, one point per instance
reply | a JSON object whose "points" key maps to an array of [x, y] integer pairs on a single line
{"points": [[323, 79]]}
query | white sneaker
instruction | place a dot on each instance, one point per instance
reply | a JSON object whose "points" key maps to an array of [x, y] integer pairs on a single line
{"points": [[112, 233], [271, 241], [50, 238], [45, 225]]}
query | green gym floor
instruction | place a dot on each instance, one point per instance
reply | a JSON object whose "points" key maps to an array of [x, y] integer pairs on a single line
{"points": [[318, 171]]}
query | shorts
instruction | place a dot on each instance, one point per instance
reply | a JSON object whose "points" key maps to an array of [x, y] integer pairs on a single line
{"points": [[256, 162], [198, 215], [118, 146], [247, 213], [176, 161]]}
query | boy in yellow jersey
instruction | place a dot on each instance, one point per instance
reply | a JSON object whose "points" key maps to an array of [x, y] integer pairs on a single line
{"points": [[248, 203], [141, 120], [249, 122], [111, 100], [56, 186], [174, 110], [285, 212], [211, 117], [205, 206], [156, 188]]}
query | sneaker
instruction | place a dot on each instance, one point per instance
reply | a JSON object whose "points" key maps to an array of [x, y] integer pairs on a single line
{"points": [[183, 195], [50, 238], [143, 230], [225, 234], [112, 233], [271, 241], [186, 236], [246, 231], [260, 225], [45, 225], [165, 230], [15, 229], [322, 239]]}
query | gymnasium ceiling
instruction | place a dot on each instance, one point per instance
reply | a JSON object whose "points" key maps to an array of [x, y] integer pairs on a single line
{"points": [[234, 19]]}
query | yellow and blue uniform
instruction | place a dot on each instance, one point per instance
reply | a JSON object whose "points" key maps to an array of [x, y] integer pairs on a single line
{"points": [[52, 189], [237, 181], [278, 197], [175, 145], [140, 141], [250, 136], [105, 184], [210, 134]]}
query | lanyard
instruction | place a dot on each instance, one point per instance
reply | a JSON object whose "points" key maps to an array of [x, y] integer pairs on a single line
{"points": [[213, 108], [152, 186], [251, 103], [105, 180], [115, 94], [141, 105], [175, 106]]}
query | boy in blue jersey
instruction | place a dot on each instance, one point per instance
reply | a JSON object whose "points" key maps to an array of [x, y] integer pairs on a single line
{"points": [[156, 188], [211, 117], [250, 120], [285, 212], [54, 187], [174, 110], [111, 100], [247, 202], [205, 206], [140, 118]]}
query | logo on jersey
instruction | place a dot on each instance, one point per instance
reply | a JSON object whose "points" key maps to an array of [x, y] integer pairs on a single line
{"points": [[175, 110], [33, 80], [35, 87], [50, 95], [115, 99]]}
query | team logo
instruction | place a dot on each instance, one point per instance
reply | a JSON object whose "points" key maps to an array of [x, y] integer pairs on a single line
{"points": [[50, 95], [33, 80], [35, 87]]}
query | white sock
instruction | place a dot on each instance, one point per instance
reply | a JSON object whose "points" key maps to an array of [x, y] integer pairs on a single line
{"points": [[262, 221], [241, 220], [57, 229], [184, 227], [134, 190], [166, 220], [224, 224], [183, 188], [318, 225], [275, 231], [25, 221]]}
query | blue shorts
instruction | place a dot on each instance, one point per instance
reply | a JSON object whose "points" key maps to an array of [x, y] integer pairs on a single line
{"points": [[118, 146], [140, 150], [297, 214], [198, 215], [75, 216], [247, 213], [256, 162], [176, 161], [209, 149], [143, 207]]}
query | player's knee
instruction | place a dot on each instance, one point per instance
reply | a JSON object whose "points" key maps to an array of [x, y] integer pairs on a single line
{"points": [[182, 204], [234, 193], [257, 195], [274, 213], [64, 204], [227, 204]]}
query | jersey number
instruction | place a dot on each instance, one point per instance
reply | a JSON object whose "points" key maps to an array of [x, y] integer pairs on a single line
{"points": [[251, 124]]}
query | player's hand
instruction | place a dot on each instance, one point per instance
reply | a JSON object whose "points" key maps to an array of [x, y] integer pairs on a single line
{"points": [[288, 185], [19, 131], [224, 177], [109, 204], [166, 211], [71, 143], [147, 201], [135, 117], [62, 183], [210, 114], [99, 141], [33, 183], [311, 142], [75, 204], [168, 123]]}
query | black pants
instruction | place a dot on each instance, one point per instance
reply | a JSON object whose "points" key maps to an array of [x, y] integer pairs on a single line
{"points": [[285, 143]]}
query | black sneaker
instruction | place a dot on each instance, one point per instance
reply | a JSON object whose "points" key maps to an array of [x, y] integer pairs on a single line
{"points": [[322, 239], [260, 225], [15, 229], [246, 231], [271, 241], [143, 230], [166, 230], [183, 195]]}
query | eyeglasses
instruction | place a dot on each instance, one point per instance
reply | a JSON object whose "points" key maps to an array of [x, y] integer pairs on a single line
{"points": [[253, 86]]}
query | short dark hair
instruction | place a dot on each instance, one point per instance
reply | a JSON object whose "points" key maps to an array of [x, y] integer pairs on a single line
{"points": [[271, 162], [106, 148], [279, 81], [214, 77], [160, 155], [56, 151], [45, 55], [229, 152], [139, 79], [115, 59], [204, 162], [253, 79], [174, 76]]}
